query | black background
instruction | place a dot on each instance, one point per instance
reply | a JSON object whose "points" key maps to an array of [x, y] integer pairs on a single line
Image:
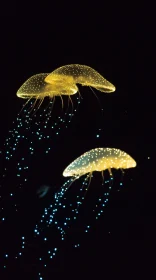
{"points": [[118, 42]]}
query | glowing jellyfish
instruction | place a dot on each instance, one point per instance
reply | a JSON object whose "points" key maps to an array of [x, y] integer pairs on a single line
{"points": [[37, 87], [80, 74], [99, 159], [62, 213]]}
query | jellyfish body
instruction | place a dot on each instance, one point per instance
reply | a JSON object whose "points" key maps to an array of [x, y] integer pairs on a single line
{"points": [[99, 159], [37, 87], [80, 74]]}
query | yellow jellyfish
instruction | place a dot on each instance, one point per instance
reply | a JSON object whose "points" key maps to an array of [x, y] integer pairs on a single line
{"points": [[36, 87], [61, 82], [99, 159], [80, 74]]}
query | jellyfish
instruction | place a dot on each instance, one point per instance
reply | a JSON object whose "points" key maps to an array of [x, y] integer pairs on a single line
{"points": [[80, 74], [98, 160], [95, 160], [68, 201]]}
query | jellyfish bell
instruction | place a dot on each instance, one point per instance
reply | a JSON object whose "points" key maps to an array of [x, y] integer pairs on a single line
{"points": [[60, 79], [37, 87], [99, 159], [81, 74]]}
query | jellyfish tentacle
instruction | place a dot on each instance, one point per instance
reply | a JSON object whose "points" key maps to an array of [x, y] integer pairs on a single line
{"points": [[64, 227], [72, 108], [71, 114], [57, 199], [96, 97], [123, 172], [80, 96], [51, 103], [122, 176], [33, 106], [89, 176], [101, 111], [40, 103], [70, 183], [61, 100], [102, 173], [111, 178], [24, 106], [38, 106]]}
